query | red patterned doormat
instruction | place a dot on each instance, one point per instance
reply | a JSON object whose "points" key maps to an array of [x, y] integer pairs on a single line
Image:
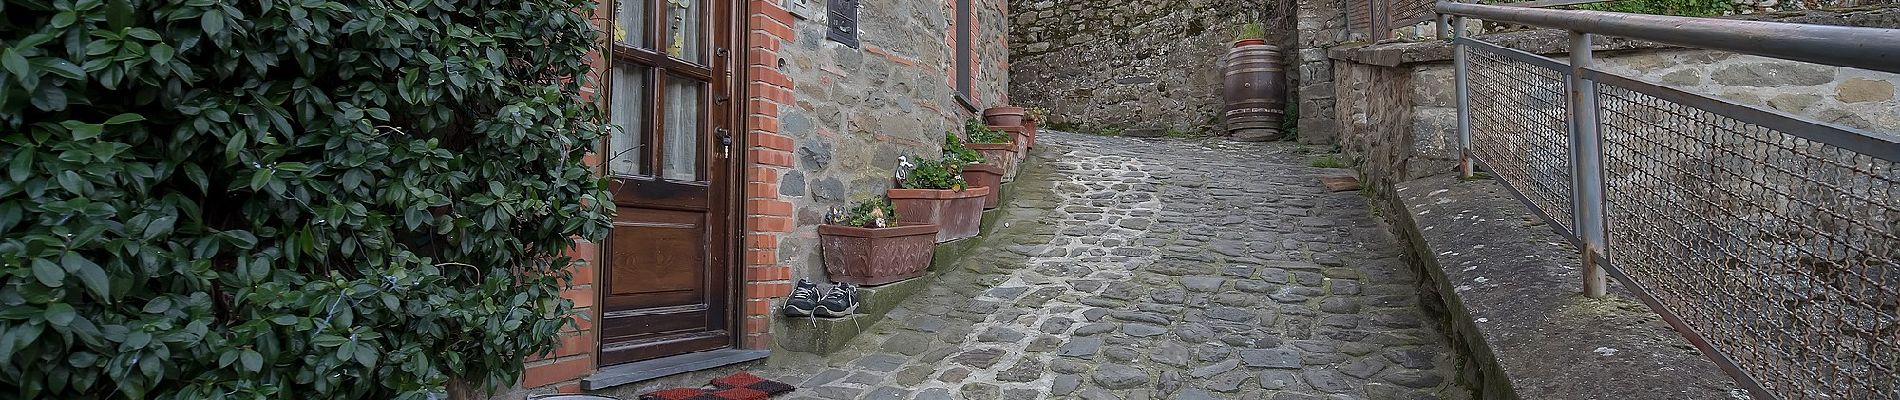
{"points": [[739, 386]]}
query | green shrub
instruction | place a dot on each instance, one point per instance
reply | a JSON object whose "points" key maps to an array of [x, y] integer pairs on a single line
{"points": [[982, 133], [1328, 161], [1250, 31], [289, 199], [935, 174], [954, 150], [877, 212], [1686, 8]]}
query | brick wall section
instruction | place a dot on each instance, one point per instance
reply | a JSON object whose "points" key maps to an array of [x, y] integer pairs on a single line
{"points": [[768, 218]]}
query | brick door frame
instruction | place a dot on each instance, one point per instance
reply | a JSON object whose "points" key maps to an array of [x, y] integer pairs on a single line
{"points": [[765, 278]]}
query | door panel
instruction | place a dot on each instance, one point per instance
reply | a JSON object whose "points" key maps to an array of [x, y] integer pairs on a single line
{"points": [[669, 266]]}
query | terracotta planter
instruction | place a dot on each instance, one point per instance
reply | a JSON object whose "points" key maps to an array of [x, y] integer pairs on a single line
{"points": [[1250, 42], [876, 256], [1029, 124], [957, 214], [1005, 116], [986, 176], [1019, 135], [999, 154]]}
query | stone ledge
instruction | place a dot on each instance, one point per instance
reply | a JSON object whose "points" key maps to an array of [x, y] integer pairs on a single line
{"points": [[1512, 289]]}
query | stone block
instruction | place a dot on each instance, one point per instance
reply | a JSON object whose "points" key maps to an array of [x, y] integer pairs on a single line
{"points": [[1862, 90], [1774, 74]]}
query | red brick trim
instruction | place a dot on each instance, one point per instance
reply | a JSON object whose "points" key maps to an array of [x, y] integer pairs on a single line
{"points": [[768, 156]]}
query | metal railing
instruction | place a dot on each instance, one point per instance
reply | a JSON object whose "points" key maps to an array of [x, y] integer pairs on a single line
{"points": [[1770, 242]]}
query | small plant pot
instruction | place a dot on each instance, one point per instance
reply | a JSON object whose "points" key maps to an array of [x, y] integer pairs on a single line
{"points": [[957, 214], [999, 154], [876, 256], [1029, 124], [1005, 116], [986, 176], [1249, 42]]}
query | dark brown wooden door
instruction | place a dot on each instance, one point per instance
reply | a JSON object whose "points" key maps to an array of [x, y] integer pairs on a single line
{"points": [[668, 274]]}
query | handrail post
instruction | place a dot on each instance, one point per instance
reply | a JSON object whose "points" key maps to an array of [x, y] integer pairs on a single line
{"points": [[1587, 165], [1461, 77]]}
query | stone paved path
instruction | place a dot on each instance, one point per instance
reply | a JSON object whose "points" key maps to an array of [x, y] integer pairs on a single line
{"points": [[1138, 269]]}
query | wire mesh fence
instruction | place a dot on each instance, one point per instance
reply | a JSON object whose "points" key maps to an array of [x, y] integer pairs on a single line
{"points": [[1778, 250], [1520, 127]]}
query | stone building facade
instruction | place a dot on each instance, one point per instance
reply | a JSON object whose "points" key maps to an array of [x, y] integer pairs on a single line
{"points": [[1143, 65], [814, 123]]}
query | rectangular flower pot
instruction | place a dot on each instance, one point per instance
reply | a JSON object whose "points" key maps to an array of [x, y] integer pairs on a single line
{"points": [[998, 154], [957, 214], [876, 256], [988, 176]]}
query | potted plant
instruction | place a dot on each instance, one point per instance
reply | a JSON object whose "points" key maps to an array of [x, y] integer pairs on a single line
{"points": [[1252, 34], [996, 146], [1036, 116], [977, 172], [933, 192], [1004, 116], [866, 246]]}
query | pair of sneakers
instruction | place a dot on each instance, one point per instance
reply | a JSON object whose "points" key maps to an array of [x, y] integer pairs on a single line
{"points": [[841, 300]]}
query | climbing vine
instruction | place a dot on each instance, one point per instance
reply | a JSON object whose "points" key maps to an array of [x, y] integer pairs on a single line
{"points": [[332, 199]]}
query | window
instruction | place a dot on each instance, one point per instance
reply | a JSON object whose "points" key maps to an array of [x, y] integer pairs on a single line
{"points": [[965, 60]]}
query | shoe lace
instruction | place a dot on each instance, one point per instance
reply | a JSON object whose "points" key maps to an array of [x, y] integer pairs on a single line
{"points": [[843, 292], [802, 292]]}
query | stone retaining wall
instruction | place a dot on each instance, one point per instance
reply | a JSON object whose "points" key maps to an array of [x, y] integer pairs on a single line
{"points": [[1136, 65]]}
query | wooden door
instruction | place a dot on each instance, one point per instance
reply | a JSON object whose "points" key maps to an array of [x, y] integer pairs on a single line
{"points": [[669, 263]]}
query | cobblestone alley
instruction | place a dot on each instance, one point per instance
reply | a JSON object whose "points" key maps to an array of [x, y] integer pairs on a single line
{"points": [[1158, 268]]}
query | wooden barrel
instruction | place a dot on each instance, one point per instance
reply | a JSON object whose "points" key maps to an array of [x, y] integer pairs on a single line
{"points": [[1255, 92]]}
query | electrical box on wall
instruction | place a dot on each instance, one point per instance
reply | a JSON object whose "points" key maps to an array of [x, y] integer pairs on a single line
{"points": [[803, 9], [843, 25]]}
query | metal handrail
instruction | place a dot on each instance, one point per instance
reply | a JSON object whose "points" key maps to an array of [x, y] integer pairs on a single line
{"points": [[1867, 48], [1587, 219]]}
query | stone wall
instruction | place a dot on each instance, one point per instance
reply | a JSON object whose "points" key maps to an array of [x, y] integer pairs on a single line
{"points": [[1140, 64], [1320, 24], [854, 111]]}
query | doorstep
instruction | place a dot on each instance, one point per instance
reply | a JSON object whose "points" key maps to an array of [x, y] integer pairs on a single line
{"points": [[667, 366], [826, 335]]}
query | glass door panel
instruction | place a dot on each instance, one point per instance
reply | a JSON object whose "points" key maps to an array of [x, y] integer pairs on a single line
{"points": [[627, 151], [683, 145], [630, 23], [683, 30]]}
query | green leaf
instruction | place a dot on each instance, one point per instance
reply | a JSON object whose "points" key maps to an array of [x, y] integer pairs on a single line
{"points": [[60, 314], [22, 165], [13, 62], [213, 22], [90, 274], [285, 320], [251, 360], [48, 273], [158, 305], [61, 67], [160, 226], [261, 177], [124, 118], [85, 131], [162, 53]]}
